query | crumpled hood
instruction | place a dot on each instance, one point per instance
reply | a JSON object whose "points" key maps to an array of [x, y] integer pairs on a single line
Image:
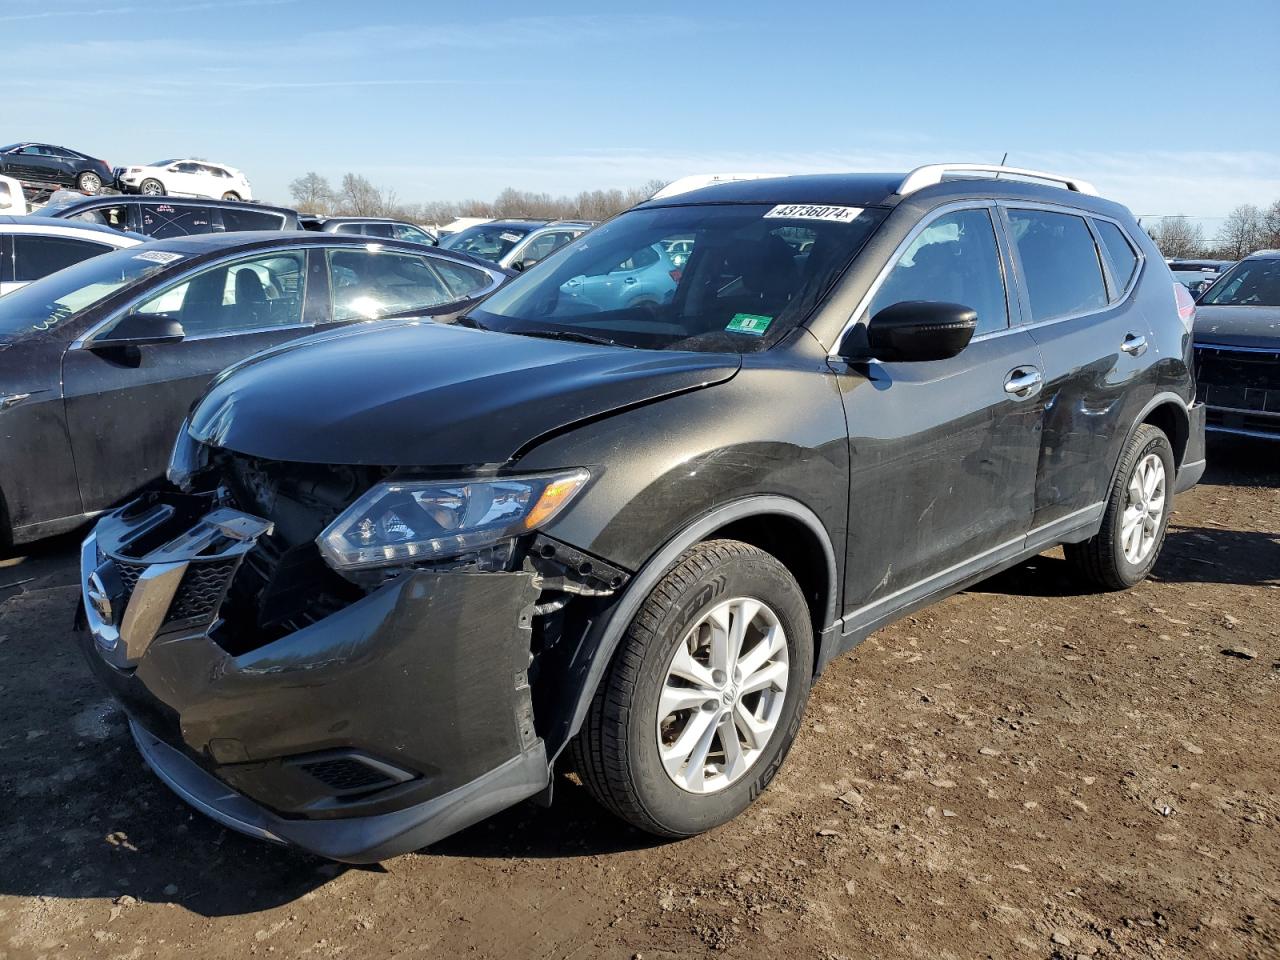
{"points": [[1238, 326], [413, 393]]}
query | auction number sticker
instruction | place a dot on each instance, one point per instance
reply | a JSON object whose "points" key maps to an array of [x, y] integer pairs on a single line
{"points": [[814, 211], [157, 256], [510, 237]]}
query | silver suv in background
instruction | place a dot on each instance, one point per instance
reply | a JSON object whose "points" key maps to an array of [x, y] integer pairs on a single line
{"points": [[370, 227], [516, 244]]}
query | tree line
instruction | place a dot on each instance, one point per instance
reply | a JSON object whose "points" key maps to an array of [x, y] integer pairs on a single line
{"points": [[1246, 229], [357, 196]]}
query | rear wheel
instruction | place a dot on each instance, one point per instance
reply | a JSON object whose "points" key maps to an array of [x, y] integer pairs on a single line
{"points": [[704, 695], [151, 188], [1127, 546], [89, 183]]}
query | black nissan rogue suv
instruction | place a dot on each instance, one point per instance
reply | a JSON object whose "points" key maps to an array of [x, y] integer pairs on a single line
{"points": [[411, 565]]}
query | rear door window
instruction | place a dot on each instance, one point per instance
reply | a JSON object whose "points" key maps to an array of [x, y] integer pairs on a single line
{"points": [[369, 284], [953, 260], [404, 231], [161, 220], [1120, 256], [377, 230], [35, 257], [236, 219], [1059, 262]]}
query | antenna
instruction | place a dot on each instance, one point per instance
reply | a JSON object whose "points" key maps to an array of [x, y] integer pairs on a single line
{"points": [[1002, 160]]}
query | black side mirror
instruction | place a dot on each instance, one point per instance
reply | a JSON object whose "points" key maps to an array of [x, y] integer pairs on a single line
{"points": [[912, 331], [138, 329]]}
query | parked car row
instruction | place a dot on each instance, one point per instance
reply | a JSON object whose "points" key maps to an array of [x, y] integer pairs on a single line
{"points": [[46, 165], [1197, 275], [404, 566], [100, 360], [516, 244]]}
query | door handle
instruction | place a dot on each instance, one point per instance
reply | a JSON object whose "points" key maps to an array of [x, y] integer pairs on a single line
{"points": [[1134, 345], [629, 280], [1023, 382]]}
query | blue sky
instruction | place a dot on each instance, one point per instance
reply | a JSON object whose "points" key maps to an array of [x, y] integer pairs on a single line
{"points": [[1169, 107]]}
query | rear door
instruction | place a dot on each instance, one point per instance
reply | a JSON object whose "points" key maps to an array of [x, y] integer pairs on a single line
{"points": [[1094, 341], [942, 453], [125, 403]]}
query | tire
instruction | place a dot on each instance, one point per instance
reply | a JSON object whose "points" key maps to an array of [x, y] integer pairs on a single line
{"points": [[1107, 560], [231, 195], [151, 187], [89, 183], [618, 754]]}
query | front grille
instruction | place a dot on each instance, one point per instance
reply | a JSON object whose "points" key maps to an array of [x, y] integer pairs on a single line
{"points": [[129, 574], [1242, 380], [201, 591]]}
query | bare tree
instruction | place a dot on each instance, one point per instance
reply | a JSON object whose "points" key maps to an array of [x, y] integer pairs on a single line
{"points": [[1242, 232], [1177, 236], [1271, 226], [358, 197], [312, 193]]}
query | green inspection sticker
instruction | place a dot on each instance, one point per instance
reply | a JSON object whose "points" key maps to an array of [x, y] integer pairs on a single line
{"points": [[751, 323]]}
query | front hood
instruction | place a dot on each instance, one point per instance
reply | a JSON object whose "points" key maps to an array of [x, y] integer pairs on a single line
{"points": [[412, 393], [1238, 326]]}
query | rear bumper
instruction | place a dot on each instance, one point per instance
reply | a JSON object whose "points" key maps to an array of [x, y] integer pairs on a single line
{"points": [[1193, 457], [374, 731]]}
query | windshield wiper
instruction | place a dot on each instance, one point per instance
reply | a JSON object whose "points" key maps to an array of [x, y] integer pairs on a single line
{"points": [[569, 335]]}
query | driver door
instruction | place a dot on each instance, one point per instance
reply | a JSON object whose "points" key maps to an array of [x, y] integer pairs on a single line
{"points": [[943, 453], [126, 400]]}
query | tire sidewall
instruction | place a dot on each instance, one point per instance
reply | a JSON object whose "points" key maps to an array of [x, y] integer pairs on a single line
{"points": [[675, 809], [142, 188], [83, 178], [1157, 443]]}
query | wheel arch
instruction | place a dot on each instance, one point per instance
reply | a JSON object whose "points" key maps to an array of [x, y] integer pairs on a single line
{"points": [[779, 525], [1165, 410]]}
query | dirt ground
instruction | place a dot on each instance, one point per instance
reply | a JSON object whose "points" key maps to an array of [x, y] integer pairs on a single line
{"points": [[1021, 770]]}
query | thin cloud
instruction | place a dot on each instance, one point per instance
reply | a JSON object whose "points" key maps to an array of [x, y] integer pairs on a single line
{"points": [[130, 10]]}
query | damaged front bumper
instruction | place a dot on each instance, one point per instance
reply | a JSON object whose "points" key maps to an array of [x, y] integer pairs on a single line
{"points": [[381, 728]]}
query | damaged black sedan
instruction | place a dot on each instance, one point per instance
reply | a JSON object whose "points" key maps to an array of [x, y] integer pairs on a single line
{"points": [[405, 568]]}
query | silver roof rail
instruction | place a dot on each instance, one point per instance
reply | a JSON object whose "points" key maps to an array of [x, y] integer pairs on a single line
{"points": [[927, 176]]}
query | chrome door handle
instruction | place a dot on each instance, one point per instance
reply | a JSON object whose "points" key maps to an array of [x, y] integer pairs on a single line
{"points": [[1023, 382], [1134, 345]]}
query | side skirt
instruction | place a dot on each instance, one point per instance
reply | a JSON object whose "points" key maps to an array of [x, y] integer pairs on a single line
{"points": [[856, 626]]}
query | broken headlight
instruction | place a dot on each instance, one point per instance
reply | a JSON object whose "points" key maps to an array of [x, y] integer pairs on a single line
{"points": [[424, 520], [188, 458]]}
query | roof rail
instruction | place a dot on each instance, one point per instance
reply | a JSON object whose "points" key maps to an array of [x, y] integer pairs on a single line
{"points": [[699, 180], [928, 175]]}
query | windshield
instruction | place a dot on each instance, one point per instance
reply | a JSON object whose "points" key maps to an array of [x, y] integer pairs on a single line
{"points": [[161, 163], [488, 241], [57, 298], [1250, 283], [719, 277]]}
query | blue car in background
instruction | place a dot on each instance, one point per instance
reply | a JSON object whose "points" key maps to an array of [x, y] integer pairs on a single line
{"points": [[647, 276]]}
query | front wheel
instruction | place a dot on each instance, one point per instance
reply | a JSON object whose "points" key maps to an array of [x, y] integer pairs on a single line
{"points": [[705, 694], [89, 183], [151, 188], [230, 195], [1127, 546]]}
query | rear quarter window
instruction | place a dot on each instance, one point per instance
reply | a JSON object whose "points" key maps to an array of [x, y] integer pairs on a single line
{"points": [[35, 257], [1119, 253], [233, 219]]}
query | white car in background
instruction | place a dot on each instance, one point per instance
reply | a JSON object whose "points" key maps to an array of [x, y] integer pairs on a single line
{"points": [[185, 178], [34, 247], [12, 199]]}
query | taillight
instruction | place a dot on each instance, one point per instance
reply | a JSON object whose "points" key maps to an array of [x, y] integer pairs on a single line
{"points": [[1186, 305], [676, 274]]}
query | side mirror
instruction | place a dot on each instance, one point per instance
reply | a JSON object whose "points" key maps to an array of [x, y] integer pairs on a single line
{"points": [[519, 266], [913, 331], [138, 329]]}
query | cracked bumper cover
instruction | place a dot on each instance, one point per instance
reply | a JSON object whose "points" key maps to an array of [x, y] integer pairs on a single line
{"points": [[424, 678]]}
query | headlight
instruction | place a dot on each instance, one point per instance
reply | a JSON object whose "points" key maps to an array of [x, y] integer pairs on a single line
{"points": [[188, 458], [399, 522]]}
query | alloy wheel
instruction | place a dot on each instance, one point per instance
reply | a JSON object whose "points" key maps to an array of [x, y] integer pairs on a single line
{"points": [[1143, 509], [722, 696]]}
